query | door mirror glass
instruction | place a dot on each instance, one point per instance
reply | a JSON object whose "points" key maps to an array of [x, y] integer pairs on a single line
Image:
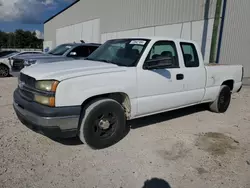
{"points": [[72, 54], [159, 63]]}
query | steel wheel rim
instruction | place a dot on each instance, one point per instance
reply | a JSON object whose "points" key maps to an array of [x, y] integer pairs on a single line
{"points": [[104, 132]]}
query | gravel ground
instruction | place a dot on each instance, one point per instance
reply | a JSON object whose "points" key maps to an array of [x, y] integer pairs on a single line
{"points": [[186, 148]]}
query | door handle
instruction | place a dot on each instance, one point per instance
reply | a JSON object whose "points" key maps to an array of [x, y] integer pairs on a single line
{"points": [[179, 77]]}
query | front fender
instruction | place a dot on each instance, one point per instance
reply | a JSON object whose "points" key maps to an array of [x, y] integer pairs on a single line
{"points": [[76, 98], [75, 91]]}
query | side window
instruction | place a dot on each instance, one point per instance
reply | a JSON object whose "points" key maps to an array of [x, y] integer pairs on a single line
{"points": [[190, 55], [81, 51], [164, 49], [92, 49]]}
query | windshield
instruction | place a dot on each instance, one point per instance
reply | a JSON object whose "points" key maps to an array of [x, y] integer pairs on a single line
{"points": [[61, 49], [122, 52]]}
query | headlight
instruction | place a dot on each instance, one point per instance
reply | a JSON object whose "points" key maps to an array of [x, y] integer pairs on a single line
{"points": [[47, 85], [48, 101], [30, 62]]}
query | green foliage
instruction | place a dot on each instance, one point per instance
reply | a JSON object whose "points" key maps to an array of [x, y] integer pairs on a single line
{"points": [[20, 39]]}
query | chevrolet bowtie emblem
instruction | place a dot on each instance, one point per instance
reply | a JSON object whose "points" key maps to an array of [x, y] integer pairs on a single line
{"points": [[21, 84]]}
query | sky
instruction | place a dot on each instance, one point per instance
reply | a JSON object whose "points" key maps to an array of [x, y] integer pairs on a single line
{"points": [[28, 14]]}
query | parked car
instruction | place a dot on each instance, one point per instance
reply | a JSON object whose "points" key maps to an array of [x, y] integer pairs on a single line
{"points": [[6, 52], [64, 52], [5, 61], [122, 80]]}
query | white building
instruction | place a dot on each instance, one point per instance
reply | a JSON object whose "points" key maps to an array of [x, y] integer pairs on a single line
{"points": [[100, 20]]}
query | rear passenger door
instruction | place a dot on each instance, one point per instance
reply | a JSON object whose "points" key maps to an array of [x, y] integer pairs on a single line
{"points": [[194, 73]]}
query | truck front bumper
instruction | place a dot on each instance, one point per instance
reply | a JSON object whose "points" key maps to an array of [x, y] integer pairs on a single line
{"points": [[57, 122]]}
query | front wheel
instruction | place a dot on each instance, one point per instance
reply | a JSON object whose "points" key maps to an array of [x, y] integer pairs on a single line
{"points": [[221, 104], [4, 71], [103, 124]]}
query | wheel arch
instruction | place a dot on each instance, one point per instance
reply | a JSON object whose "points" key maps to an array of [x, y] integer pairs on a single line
{"points": [[121, 97], [3, 64], [229, 83]]}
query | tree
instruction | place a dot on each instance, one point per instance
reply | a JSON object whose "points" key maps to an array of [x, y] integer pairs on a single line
{"points": [[20, 39]]}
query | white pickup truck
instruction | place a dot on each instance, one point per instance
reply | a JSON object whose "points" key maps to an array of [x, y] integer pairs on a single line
{"points": [[122, 80]]}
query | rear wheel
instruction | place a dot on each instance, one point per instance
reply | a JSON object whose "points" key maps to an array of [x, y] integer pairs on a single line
{"points": [[221, 104], [103, 124], [4, 71]]}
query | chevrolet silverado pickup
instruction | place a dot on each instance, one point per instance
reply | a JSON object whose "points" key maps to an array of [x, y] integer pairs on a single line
{"points": [[122, 80]]}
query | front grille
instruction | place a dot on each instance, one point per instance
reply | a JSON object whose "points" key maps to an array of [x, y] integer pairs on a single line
{"points": [[27, 80], [26, 84], [18, 64], [26, 94]]}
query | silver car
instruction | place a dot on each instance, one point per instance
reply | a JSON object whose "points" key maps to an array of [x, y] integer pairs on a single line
{"points": [[62, 52]]}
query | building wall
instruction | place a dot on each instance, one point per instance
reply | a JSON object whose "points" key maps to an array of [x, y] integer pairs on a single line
{"points": [[187, 30], [121, 15], [235, 47]]}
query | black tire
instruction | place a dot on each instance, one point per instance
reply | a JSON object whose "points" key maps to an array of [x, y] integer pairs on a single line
{"points": [[222, 102], [4, 71], [100, 113]]}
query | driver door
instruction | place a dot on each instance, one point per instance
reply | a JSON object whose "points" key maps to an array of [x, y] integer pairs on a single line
{"points": [[160, 89]]}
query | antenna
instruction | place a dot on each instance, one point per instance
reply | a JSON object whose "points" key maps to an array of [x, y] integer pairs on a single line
{"points": [[82, 41]]}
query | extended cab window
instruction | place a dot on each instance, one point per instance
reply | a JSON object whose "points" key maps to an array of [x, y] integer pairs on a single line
{"points": [[190, 55], [164, 49]]}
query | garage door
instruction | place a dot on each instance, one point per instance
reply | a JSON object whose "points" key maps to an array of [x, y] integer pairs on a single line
{"points": [[87, 31]]}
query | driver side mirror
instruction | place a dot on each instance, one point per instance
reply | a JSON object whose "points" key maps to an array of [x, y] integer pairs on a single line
{"points": [[72, 54], [159, 63]]}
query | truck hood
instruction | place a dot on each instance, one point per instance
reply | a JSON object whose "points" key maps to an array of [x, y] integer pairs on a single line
{"points": [[69, 69]]}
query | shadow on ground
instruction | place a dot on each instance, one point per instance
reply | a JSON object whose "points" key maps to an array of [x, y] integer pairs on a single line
{"points": [[143, 122], [68, 141], [156, 183], [147, 121]]}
